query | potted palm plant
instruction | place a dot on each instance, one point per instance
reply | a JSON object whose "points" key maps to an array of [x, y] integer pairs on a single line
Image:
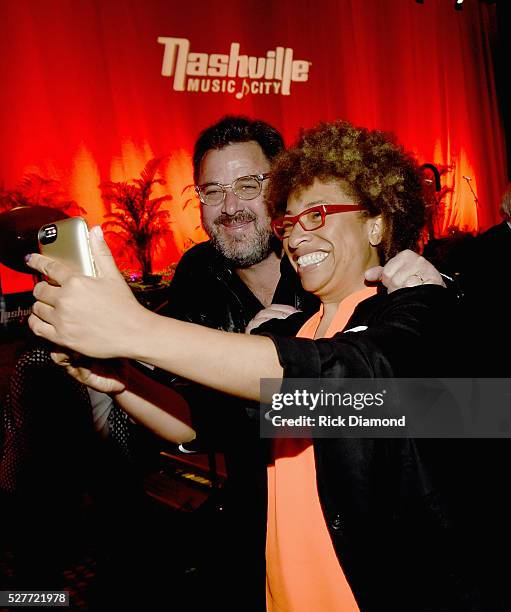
{"points": [[35, 190], [136, 217]]}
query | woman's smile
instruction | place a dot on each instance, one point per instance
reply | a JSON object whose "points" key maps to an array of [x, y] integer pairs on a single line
{"points": [[314, 259]]}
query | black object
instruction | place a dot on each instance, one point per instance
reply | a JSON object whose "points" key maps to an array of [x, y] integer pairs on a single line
{"points": [[18, 233]]}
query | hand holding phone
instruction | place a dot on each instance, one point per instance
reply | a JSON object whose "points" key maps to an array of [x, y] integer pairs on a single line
{"points": [[67, 241]]}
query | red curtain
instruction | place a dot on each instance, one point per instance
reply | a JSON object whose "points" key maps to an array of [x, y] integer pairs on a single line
{"points": [[84, 100]]}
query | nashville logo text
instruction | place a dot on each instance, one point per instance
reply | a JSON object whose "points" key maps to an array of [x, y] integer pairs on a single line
{"points": [[236, 74]]}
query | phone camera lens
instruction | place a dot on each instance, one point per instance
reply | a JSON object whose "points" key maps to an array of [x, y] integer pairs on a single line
{"points": [[47, 234]]}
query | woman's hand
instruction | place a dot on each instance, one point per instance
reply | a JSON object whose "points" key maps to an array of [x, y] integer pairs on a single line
{"points": [[99, 317], [274, 311], [105, 376]]}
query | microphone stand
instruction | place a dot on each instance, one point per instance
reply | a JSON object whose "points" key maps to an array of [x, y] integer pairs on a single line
{"points": [[476, 200], [3, 309]]}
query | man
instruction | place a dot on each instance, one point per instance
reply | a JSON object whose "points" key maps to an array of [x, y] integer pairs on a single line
{"points": [[485, 277], [223, 284], [241, 260], [481, 264], [485, 269]]}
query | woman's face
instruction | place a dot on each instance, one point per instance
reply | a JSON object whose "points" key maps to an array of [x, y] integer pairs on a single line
{"points": [[332, 259]]}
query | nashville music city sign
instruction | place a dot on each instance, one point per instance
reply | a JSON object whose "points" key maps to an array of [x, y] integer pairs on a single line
{"points": [[236, 74]]}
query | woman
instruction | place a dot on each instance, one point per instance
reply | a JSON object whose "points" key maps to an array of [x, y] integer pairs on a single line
{"points": [[343, 200], [372, 533]]}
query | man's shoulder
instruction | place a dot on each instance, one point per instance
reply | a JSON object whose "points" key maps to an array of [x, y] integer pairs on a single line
{"points": [[202, 261], [198, 255], [501, 230], [492, 248]]}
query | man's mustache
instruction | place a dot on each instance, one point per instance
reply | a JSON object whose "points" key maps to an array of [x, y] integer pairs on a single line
{"points": [[242, 216]]}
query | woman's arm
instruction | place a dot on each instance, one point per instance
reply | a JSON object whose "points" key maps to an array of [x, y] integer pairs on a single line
{"points": [[100, 317], [231, 363]]}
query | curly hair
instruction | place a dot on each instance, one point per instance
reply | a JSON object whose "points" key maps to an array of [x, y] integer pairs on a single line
{"points": [[373, 168]]}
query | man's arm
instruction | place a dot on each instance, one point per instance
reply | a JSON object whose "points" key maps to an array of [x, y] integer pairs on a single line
{"points": [[151, 404], [406, 269], [156, 406]]}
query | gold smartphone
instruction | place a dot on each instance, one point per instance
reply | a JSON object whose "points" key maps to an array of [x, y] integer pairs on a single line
{"points": [[67, 241]]}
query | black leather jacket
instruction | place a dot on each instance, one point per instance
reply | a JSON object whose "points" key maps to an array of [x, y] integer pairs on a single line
{"points": [[387, 502], [206, 290]]}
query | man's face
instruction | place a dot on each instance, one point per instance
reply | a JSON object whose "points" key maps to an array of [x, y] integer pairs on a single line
{"points": [[239, 229]]}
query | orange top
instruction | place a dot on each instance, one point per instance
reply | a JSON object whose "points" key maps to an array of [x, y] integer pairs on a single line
{"points": [[303, 572]]}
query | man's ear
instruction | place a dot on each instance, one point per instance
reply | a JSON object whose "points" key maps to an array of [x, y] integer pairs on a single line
{"points": [[375, 230]]}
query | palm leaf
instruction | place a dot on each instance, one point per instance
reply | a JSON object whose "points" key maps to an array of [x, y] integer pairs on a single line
{"points": [[136, 216]]}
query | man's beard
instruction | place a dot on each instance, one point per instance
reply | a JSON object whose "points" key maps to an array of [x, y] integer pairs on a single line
{"points": [[247, 249]]}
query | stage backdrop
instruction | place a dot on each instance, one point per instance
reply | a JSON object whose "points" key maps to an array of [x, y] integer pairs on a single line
{"points": [[94, 89]]}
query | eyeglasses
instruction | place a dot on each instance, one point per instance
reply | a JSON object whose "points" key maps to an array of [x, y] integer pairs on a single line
{"points": [[244, 188], [311, 219]]}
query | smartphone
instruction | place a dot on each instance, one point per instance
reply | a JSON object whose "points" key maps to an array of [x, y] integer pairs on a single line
{"points": [[67, 241]]}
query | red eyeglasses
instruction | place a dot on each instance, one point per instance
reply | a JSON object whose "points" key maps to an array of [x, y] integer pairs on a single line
{"points": [[311, 219]]}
